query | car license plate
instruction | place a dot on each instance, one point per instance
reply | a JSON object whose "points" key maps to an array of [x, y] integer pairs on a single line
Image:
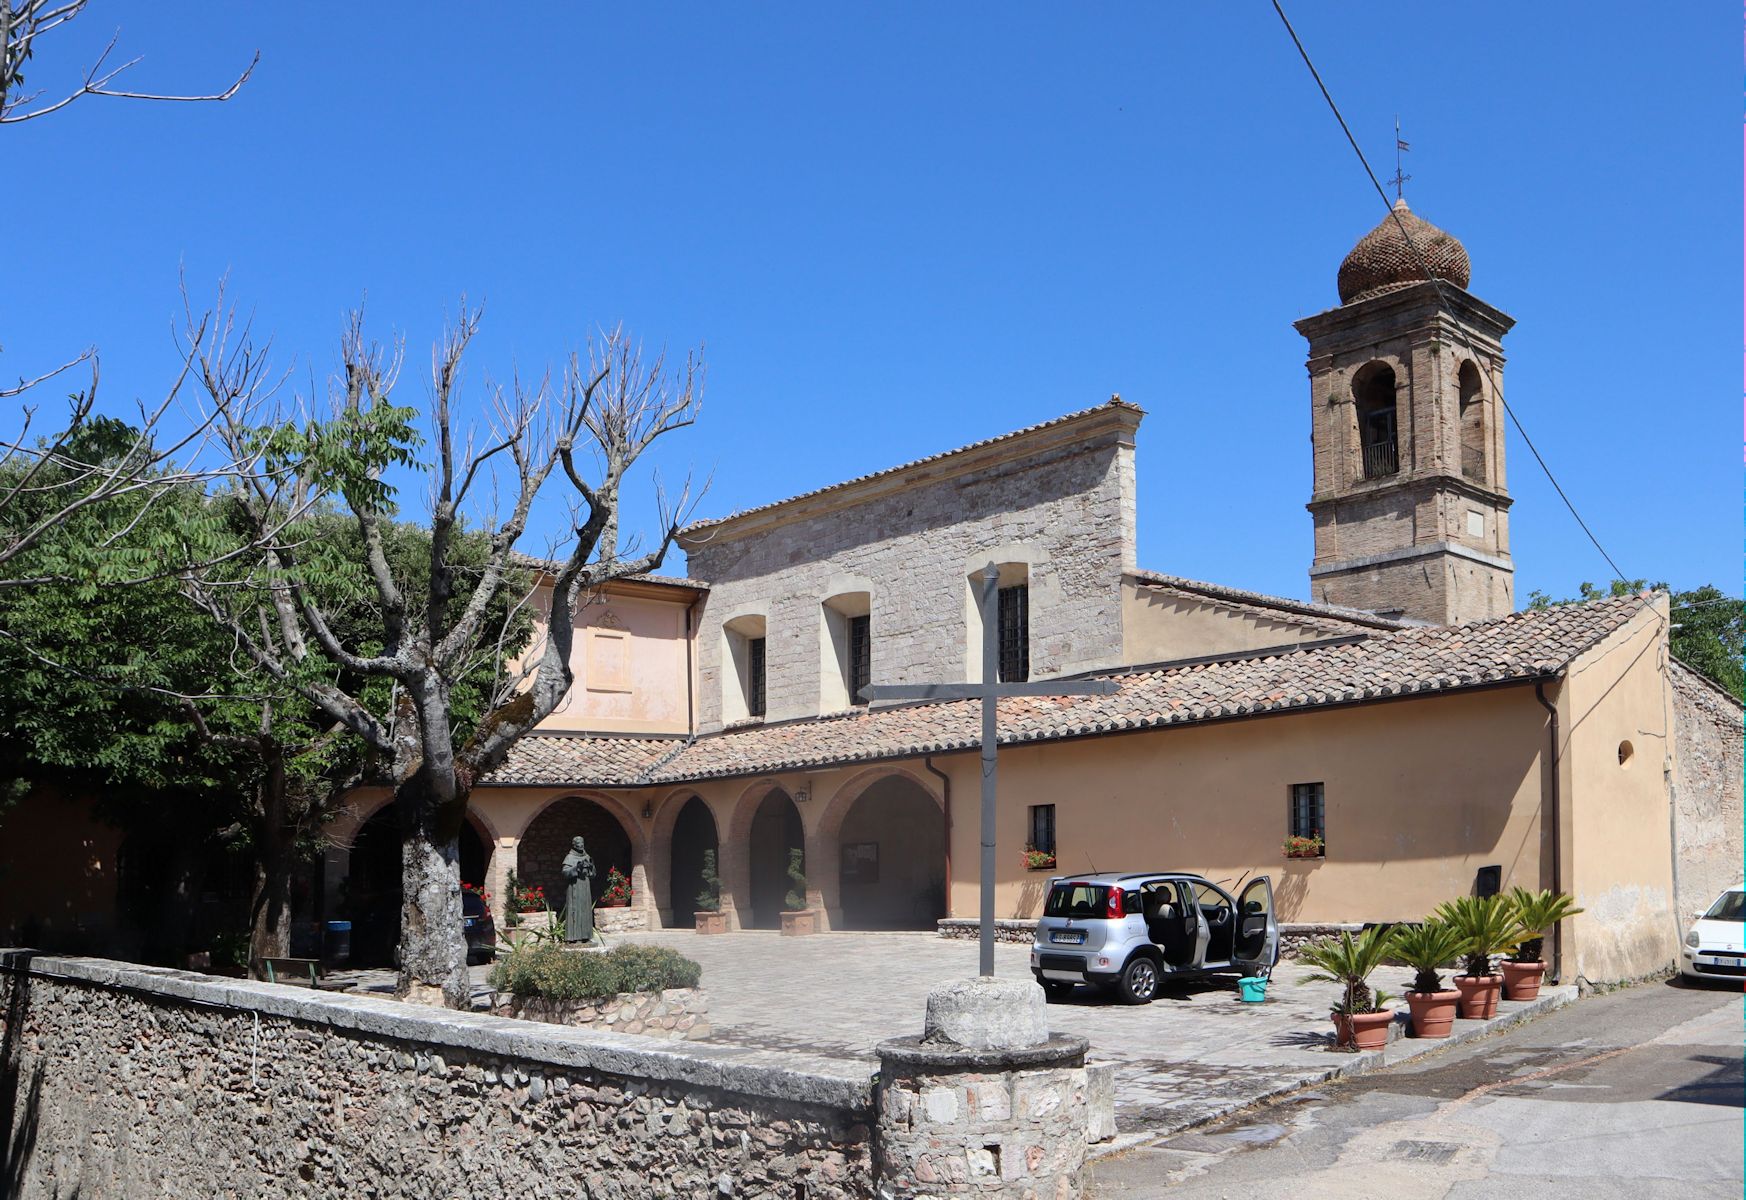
{"points": [[1074, 936]]}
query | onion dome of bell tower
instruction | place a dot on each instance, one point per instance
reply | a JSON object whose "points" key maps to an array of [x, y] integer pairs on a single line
{"points": [[1382, 261]]}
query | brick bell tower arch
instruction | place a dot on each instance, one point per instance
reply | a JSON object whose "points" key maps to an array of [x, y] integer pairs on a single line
{"points": [[1410, 506]]}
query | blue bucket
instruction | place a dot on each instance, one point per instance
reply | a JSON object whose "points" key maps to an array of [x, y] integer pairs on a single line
{"points": [[1254, 989]]}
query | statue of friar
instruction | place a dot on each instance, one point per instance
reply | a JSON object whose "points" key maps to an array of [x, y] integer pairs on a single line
{"points": [[579, 898]]}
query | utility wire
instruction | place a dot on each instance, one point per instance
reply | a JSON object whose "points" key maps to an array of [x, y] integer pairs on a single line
{"points": [[1442, 296]]}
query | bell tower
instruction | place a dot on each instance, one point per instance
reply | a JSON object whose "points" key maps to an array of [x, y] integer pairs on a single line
{"points": [[1410, 509]]}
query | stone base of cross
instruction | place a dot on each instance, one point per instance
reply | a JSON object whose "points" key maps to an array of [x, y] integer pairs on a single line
{"points": [[989, 691]]}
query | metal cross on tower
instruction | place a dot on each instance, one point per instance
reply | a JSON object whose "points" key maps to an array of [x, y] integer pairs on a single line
{"points": [[989, 692], [1399, 179]]}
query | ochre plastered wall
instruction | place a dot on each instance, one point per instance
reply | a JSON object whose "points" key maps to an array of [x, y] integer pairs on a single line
{"points": [[1420, 794], [1162, 625], [1618, 843]]}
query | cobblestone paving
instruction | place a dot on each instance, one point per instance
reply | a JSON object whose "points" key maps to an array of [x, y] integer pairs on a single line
{"points": [[1196, 1050]]}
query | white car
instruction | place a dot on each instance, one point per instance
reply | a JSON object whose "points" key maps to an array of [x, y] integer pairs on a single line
{"points": [[1716, 946]]}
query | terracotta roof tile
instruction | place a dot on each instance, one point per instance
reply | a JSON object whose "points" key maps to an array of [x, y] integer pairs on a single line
{"points": [[1385, 663], [1330, 617]]}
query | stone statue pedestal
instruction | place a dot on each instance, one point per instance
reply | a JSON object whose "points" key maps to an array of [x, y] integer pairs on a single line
{"points": [[986, 1102]]}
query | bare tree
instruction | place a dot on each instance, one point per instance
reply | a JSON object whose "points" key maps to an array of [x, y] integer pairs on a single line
{"points": [[24, 22], [608, 408], [57, 461]]}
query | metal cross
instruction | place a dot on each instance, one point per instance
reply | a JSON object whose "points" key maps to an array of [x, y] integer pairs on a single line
{"points": [[1399, 179], [989, 692]]}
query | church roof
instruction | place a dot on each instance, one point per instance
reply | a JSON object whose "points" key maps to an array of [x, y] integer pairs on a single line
{"points": [[1332, 618], [1382, 261], [1383, 664]]}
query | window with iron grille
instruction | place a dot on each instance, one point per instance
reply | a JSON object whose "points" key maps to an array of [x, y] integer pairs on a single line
{"points": [[1043, 828], [755, 677], [1308, 812], [860, 657], [1015, 634]]}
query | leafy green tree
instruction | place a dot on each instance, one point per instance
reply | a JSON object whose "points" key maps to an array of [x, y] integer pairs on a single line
{"points": [[1709, 626], [396, 687]]}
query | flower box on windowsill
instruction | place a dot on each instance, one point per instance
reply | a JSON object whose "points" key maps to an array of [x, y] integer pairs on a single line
{"points": [[1037, 861], [1305, 847]]}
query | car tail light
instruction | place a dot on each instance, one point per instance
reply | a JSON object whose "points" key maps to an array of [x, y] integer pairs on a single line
{"points": [[1115, 902]]}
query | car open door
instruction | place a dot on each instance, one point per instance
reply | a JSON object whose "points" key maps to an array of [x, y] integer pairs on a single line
{"points": [[1257, 946]]}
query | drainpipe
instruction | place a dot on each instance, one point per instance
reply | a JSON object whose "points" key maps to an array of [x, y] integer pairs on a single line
{"points": [[1557, 823], [946, 791], [690, 686]]}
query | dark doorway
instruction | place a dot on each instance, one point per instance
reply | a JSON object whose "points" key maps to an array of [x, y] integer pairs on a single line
{"points": [[693, 836], [540, 859], [373, 885], [776, 830], [892, 849]]}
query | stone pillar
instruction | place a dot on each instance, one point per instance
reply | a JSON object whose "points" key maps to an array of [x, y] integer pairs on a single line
{"points": [[733, 863], [985, 1103]]}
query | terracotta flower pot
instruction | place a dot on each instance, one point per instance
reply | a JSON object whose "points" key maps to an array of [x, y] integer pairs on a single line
{"points": [[1479, 996], [1342, 1029], [1370, 1030], [1522, 979], [798, 922], [711, 922], [1433, 1013]]}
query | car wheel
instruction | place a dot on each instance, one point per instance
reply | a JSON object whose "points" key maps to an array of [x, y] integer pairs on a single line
{"points": [[1056, 989], [1138, 983]]}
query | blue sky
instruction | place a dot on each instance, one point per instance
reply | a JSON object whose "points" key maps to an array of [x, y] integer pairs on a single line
{"points": [[901, 228]]}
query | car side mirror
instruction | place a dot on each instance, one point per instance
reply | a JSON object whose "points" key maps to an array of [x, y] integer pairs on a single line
{"points": [[1253, 908]]}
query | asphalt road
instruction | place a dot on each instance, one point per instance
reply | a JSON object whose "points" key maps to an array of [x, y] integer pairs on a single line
{"points": [[1637, 1093]]}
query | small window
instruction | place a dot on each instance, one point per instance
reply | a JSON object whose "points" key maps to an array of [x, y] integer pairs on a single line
{"points": [[860, 657], [1043, 828], [755, 677], [1373, 391], [1015, 634], [1308, 813]]}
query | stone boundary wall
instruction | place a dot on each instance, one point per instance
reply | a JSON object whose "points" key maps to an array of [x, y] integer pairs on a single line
{"points": [[622, 919], [679, 1013], [126, 1081], [1707, 815]]}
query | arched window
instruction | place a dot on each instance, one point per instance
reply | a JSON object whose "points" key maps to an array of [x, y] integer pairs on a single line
{"points": [[1373, 394], [1472, 390]]}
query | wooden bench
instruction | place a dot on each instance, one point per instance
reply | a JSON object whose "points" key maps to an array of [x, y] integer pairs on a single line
{"points": [[299, 972]]}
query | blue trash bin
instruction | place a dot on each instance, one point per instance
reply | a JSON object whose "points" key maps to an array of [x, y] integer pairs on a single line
{"points": [[338, 946]]}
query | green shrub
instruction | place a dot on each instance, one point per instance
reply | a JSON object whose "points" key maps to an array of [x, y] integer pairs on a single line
{"points": [[557, 974]]}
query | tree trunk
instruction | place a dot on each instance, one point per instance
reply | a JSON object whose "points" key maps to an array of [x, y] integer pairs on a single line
{"points": [[270, 900], [433, 949]]}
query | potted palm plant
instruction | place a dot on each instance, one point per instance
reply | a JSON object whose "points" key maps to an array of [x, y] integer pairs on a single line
{"points": [[1361, 1016], [1535, 912], [710, 918], [1487, 927], [797, 917], [1427, 948]]}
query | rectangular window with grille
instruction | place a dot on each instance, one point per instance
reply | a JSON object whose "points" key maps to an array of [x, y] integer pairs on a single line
{"points": [[1015, 634], [755, 677], [1308, 812], [1042, 828], [860, 657]]}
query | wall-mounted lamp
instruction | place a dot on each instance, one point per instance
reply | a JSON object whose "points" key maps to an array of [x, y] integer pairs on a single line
{"points": [[802, 794], [648, 809]]}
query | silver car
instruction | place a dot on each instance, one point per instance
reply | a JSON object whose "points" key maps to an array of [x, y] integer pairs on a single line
{"points": [[1126, 933]]}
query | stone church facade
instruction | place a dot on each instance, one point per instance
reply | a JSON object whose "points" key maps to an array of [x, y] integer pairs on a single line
{"points": [[1433, 738]]}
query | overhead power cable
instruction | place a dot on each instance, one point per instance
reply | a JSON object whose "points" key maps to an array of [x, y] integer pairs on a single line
{"points": [[1442, 296]]}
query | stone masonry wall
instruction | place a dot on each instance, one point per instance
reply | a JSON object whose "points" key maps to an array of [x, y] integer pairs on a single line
{"points": [[121, 1081], [1067, 510], [1707, 822], [680, 1013]]}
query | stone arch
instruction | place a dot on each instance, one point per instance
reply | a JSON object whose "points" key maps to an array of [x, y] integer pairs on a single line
{"points": [[1471, 397], [765, 826], [612, 836], [373, 892], [694, 832], [1374, 391], [881, 853]]}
